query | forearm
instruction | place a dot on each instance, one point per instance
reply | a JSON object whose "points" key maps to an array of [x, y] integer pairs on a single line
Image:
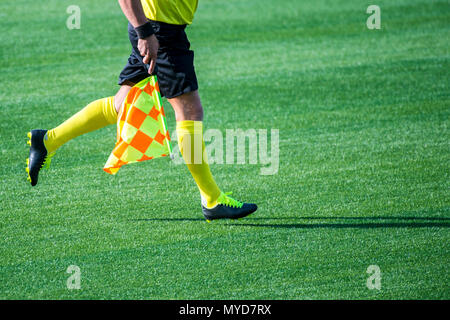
{"points": [[132, 9], [147, 43]]}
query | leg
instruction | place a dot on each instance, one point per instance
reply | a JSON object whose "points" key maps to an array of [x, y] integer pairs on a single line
{"points": [[187, 107], [121, 94], [189, 115], [216, 205], [95, 115]]}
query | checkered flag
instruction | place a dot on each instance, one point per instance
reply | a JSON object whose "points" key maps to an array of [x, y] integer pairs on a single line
{"points": [[141, 127]]}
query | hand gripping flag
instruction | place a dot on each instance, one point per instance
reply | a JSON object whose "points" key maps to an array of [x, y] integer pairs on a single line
{"points": [[141, 127]]}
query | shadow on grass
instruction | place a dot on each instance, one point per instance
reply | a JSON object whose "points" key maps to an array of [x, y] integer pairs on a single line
{"points": [[168, 219], [389, 222], [353, 218], [425, 222], [346, 225]]}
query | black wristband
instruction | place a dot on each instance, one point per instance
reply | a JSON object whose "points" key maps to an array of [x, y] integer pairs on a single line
{"points": [[145, 30]]}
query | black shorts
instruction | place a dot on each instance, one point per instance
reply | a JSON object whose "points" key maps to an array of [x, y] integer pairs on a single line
{"points": [[174, 65]]}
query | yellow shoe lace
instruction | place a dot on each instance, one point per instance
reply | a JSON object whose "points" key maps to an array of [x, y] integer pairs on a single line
{"points": [[225, 200], [48, 160]]}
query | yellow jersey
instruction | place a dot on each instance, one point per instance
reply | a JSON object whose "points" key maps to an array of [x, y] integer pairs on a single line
{"points": [[170, 11]]}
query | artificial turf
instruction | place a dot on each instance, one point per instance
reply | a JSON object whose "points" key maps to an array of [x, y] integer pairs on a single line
{"points": [[363, 176]]}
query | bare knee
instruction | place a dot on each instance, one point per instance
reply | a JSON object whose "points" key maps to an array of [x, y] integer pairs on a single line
{"points": [[121, 94], [187, 106]]}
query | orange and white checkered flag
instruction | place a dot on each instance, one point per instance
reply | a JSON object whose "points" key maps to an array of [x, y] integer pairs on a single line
{"points": [[141, 127]]}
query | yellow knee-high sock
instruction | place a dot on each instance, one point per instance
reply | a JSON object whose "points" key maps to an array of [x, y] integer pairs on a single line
{"points": [[95, 115], [192, 147]]}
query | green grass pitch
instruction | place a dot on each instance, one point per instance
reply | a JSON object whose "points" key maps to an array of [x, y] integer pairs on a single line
{"points": [[364, 156]]}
